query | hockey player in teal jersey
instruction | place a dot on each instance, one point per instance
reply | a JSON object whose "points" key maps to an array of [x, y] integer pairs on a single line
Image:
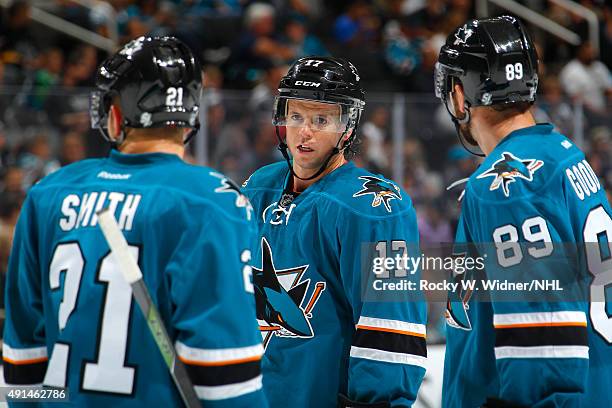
{"points": [[70, 315], [533, 196], [325, 345]]}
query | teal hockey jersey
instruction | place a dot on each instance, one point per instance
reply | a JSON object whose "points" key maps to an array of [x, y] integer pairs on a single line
{"points": [[322, 338], [71, 320], [534, 196]]}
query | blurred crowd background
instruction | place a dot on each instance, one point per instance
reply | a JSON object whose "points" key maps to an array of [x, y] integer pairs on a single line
{"points": [[245, 47]]}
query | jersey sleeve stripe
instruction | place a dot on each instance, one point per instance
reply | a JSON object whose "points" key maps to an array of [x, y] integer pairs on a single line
{"points": [[25, 362], [213, 393], [568, 324], [390, 325], [573, 318], [390, 331], [542, 352], [24, 373], [388, 357], [213, 357], [220, 363], [223, 375], [31, 355], [542, 336], [391, 342]]}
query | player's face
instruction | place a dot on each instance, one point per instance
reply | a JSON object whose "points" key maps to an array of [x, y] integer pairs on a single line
{"points": [[313, 130]]}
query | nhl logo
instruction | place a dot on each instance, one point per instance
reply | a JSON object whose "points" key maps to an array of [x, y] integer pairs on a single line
{"points": [[286, 200]]}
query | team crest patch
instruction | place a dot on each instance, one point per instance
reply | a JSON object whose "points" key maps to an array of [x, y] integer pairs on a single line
{"points": [[280, 296], [382, 190], [507, 169]]}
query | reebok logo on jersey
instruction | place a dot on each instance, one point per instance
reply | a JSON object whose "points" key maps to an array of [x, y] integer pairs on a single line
{"points": [[382, 190], [113, 176], [507, 169], [279, 295]]}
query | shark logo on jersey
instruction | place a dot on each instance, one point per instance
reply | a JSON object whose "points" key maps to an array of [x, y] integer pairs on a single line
{"points": [[228, 186], [457, 303], [279, 296], [507, 169], [383, 191]]}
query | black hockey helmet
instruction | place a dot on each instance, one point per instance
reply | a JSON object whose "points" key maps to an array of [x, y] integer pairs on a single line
{"points": [[494, 59], [157, 81], [326, 80]]}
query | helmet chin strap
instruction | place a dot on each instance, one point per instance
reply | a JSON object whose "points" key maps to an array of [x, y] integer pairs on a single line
{"points": [[113, 142], [194, 130], [462, 121], [282, 146]]}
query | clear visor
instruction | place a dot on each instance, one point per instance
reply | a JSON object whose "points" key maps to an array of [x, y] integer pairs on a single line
{"points": [[316, 115], [442, 74]]}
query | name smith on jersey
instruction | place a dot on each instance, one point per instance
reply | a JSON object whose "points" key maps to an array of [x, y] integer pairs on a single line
{"points": [[79, 210]]}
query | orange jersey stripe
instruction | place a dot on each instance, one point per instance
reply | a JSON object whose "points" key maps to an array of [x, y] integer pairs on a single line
{"points": [[24, 362], [220, 363], [269, 328], [383, 329], [561, 324]]}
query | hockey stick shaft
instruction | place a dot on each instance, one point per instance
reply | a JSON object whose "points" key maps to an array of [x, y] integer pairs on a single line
{"points": [[132, 273]]}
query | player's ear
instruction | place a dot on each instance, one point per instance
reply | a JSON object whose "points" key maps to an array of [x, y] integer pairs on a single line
{"points": [[115, 118], [458, 100]]}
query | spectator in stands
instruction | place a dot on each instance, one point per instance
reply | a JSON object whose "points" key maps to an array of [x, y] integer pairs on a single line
{"points": [[297, 37], [37, 161], [262, 96], [458, 12], [232, 140], [166, 19], [358, 26], [217, 8], [605, 36], [5, 153], [4, 99], [67, 105], [13, 180], [10, 204], [17, 46], [588, 80], [72, 149], [403, 47], [431, 16], [212, 97], [600, 152], [264, 145], [257, 48], [47, 76], [374, 133], [87, 58], [553, 106], [434, 228]]}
